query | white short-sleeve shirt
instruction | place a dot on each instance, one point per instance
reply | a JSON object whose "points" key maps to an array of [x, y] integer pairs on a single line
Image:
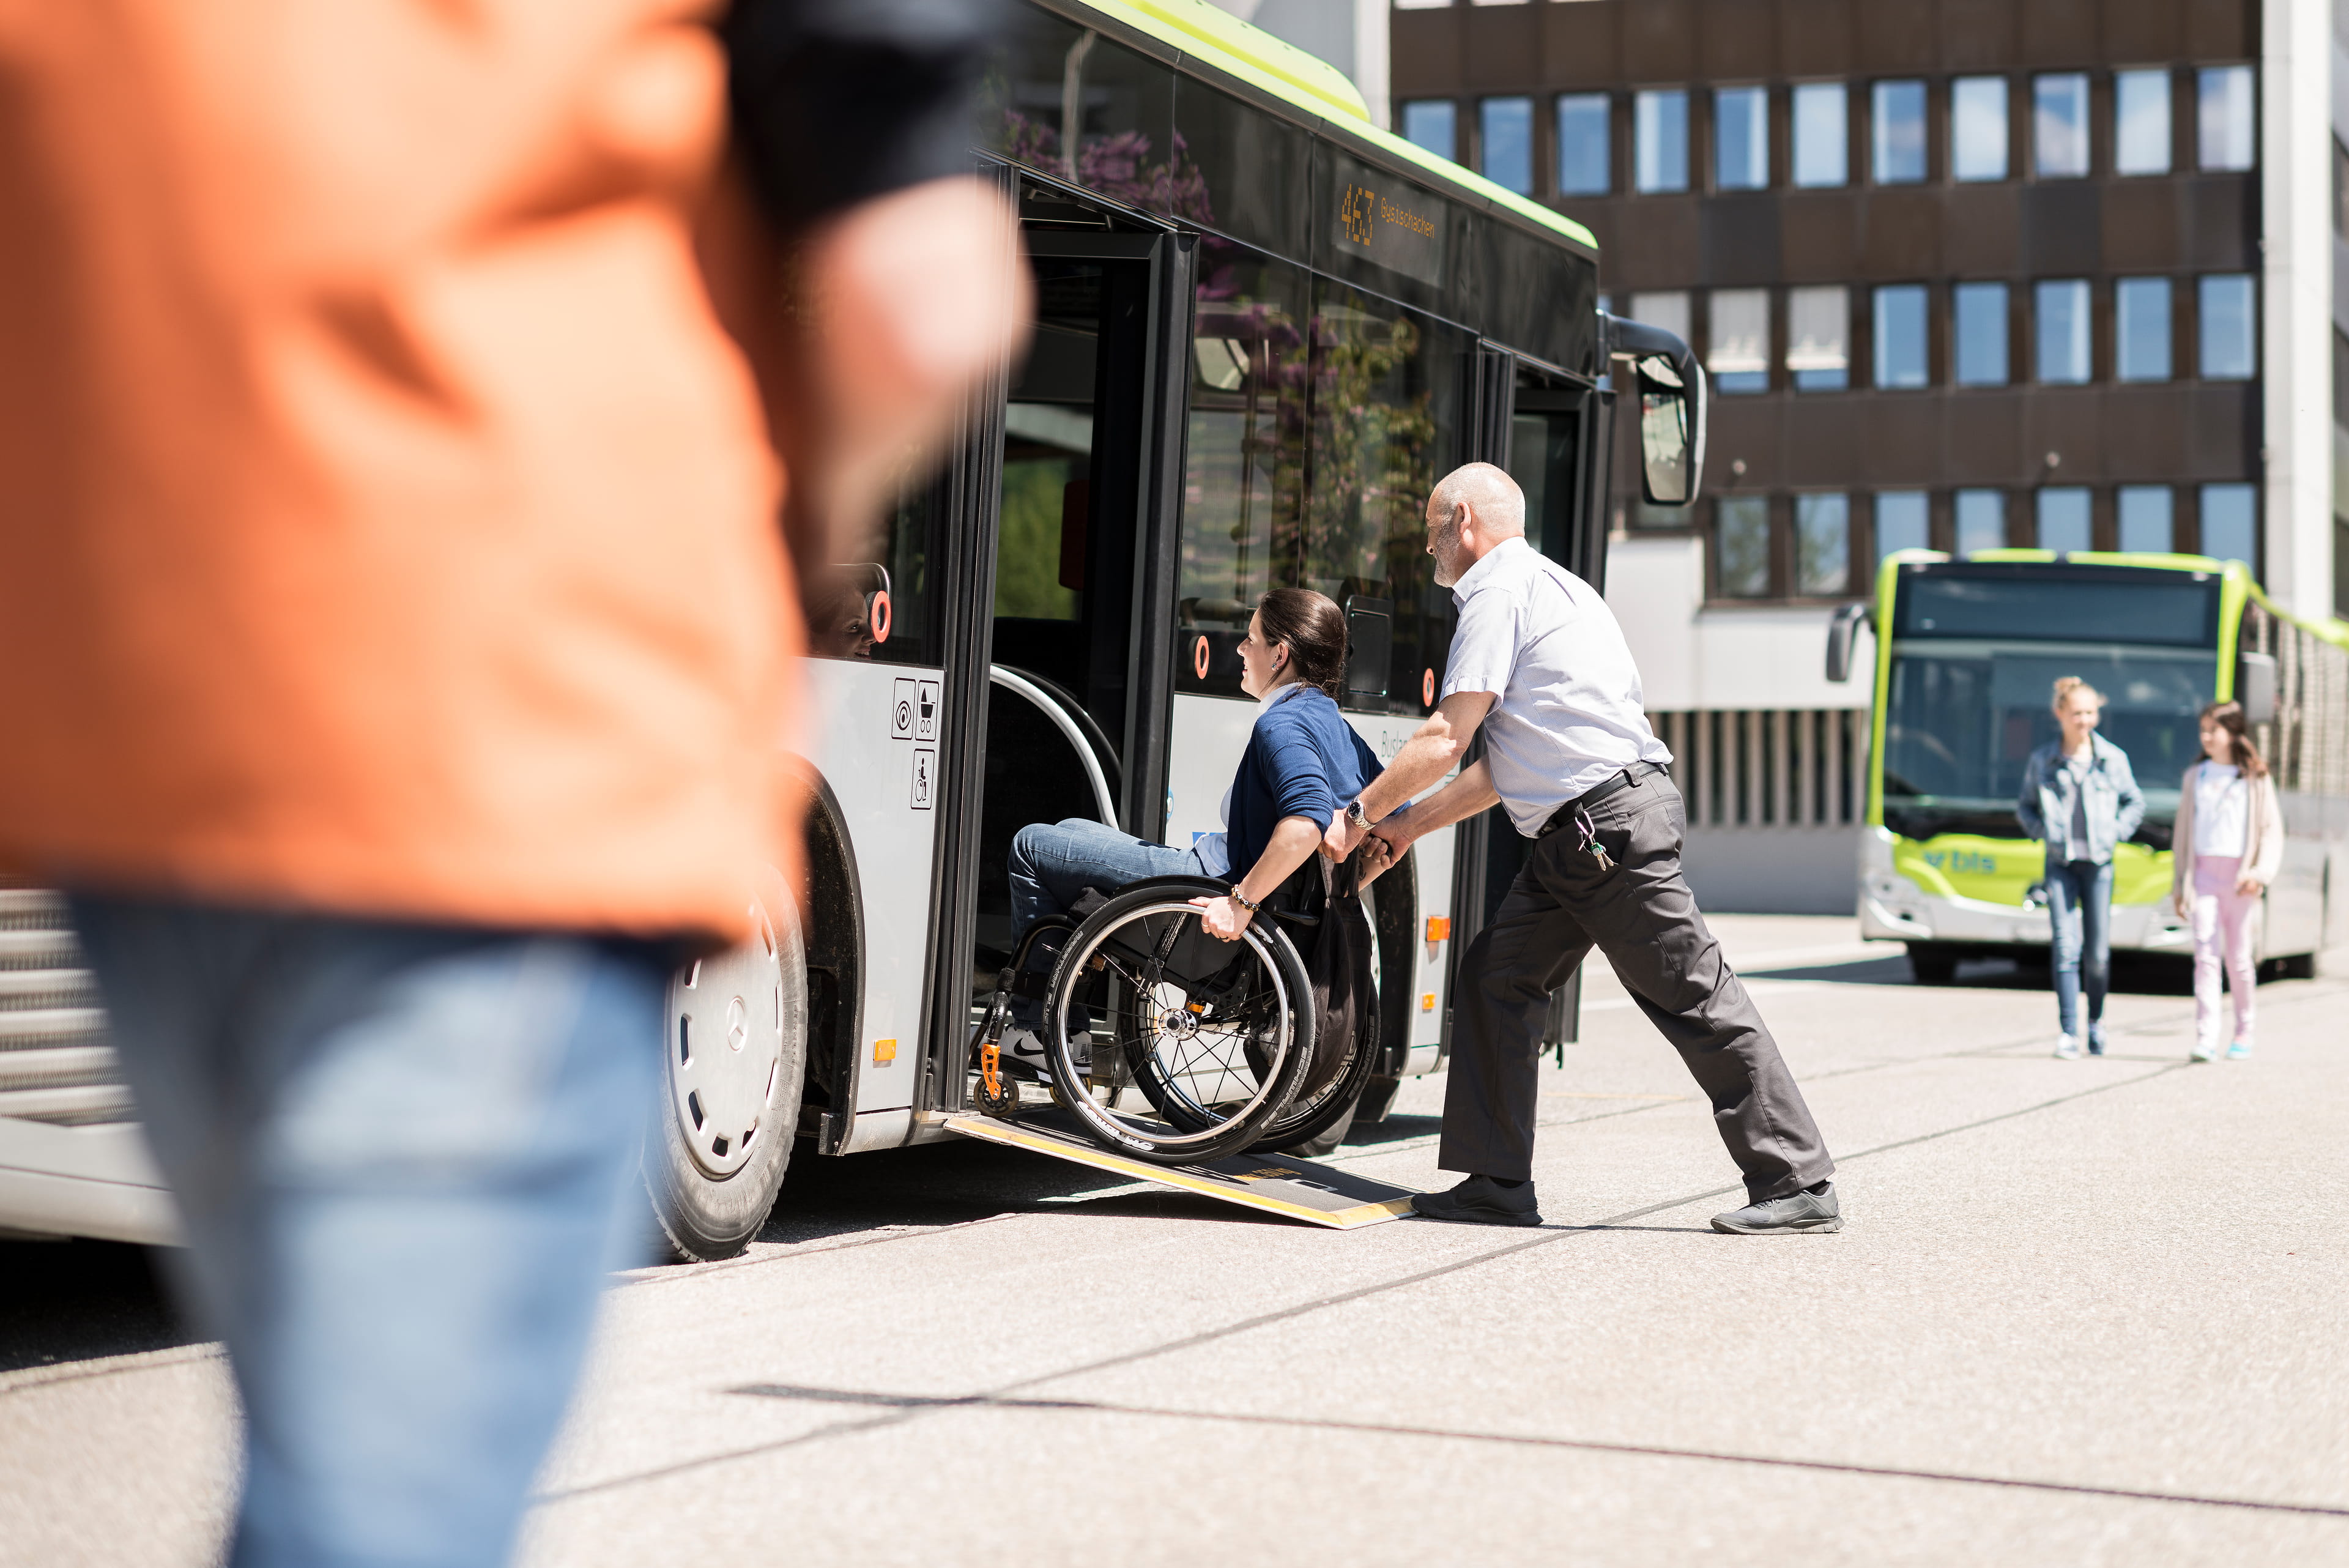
{"points": [[1566, 711]]}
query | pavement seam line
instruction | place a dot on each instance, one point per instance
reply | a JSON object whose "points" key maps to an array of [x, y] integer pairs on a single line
{"points": [[925, 1403], [1264, 1320]]}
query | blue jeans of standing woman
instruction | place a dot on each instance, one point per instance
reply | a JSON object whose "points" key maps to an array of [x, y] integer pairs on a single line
{"points": [[2080, 908], [404, 1156]]}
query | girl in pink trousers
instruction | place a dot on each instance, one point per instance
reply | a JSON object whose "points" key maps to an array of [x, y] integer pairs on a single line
{"points": [[2228, 845]]}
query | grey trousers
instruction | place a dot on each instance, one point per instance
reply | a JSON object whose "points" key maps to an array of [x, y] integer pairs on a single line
{"points": [[1640, 914]]}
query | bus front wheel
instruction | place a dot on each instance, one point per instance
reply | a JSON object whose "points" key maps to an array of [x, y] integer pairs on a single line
{"points": [[1930, 963], [733, 1052]]}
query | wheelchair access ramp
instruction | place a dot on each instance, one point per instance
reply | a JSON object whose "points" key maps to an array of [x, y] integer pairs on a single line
{"points": [[1276, 1183]]}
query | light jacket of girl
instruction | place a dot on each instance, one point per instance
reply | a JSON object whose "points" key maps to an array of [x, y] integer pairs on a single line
{"points": [[2262, 848]]}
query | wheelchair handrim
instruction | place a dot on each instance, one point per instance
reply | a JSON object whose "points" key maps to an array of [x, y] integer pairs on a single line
{"points": [[1171, 1140]]}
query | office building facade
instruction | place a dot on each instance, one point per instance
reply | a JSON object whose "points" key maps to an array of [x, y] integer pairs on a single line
{"points": [[1964, 274]]}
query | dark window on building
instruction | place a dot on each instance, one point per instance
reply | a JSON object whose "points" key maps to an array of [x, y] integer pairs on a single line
{"points": [[2229, 325], [1741, 139], [1433, 124], [1742, 546], [1900, 356], [1504, 135], [2230, 523], [1659, 140], [1818, 326], [1978, 134], [2064, 517], [1738, 356], [1980, 334], [2141, 140], [1822, 122], [2141, 329], [2059, 126], [2145, 523], [1585, 144], [2225, 129], [1898, 132], [1982, 521], [1903, 522], [1822, 544], [2062, 307]]}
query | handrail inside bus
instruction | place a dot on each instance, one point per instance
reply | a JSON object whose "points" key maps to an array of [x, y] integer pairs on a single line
{"points": [[1012, 682]]}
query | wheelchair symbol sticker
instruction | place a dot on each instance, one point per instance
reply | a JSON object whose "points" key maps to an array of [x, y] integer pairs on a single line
{"points": [[926, 766], [901, 711], [926, 711]]}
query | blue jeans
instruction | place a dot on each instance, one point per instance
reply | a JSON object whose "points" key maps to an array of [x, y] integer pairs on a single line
{"points": [[405, 1157], [2080, 908], [1051, 867]]}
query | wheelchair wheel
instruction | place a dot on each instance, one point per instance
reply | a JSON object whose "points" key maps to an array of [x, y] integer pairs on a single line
{"points": [[1218, 1035]]}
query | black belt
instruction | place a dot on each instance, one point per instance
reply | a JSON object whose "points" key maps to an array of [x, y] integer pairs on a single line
{"points": [[1598, 792]]}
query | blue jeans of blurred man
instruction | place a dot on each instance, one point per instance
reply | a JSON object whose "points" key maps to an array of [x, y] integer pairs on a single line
{"points": [[2080, 908], [404, 1158]]}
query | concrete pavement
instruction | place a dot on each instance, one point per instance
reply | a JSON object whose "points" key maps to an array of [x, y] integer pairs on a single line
{"points": [[2083, 1312]]}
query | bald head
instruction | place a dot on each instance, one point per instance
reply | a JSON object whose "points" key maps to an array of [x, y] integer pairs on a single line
{"points": [[1476, 509], [1490, 495]]}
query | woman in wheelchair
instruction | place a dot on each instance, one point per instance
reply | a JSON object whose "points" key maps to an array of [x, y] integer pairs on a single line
{"points": [[1302, 765]]}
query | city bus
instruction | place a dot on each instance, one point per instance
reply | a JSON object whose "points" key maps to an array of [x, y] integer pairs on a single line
{"points": [[1967, 652], [1265, 328]]}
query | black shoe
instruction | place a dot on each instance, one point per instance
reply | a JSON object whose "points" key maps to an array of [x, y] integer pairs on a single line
{"points": [[1480, 1200], [1024, 1052], [1813, 1208]]}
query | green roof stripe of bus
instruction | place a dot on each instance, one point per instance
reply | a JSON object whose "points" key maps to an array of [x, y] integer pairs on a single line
{"points": [[1220, 39]]}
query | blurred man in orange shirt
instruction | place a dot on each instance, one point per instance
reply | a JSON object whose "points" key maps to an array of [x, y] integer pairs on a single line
{"points": [[397, 637]]}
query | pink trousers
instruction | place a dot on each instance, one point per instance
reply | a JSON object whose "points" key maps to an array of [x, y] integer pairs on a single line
{"points": [[2225, 924]]}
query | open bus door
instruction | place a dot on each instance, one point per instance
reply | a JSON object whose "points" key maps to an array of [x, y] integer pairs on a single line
{"points": [[1064, 664]]}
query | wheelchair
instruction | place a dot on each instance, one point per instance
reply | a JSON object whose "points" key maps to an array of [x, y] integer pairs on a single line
{"points": [[1203, 1048]]}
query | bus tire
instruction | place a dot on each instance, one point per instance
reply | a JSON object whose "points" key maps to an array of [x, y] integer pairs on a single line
{"points": [[734, 1053], [1930, 963], [1324, 1143]]}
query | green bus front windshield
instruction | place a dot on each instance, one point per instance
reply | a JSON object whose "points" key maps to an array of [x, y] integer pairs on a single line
{"points": [[1976, 653]]}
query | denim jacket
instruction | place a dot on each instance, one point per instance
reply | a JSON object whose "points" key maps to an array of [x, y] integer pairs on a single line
{"points": [[2115, 806]]}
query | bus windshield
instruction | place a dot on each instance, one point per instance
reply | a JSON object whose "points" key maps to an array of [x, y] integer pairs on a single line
{"points": [[1961, 717]]}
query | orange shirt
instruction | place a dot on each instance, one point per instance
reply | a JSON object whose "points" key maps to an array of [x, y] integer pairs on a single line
{"points": [[389, 524]]}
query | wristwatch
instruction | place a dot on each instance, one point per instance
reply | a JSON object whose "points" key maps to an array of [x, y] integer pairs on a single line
{"points": [[1354, 814]]}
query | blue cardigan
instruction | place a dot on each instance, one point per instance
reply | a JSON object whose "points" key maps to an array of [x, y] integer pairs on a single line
{"points": [[1302, 760]]}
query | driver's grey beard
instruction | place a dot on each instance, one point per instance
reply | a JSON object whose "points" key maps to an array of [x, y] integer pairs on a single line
{"points": [[1447, 547]]}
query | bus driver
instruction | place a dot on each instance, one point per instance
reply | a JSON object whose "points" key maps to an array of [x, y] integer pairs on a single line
{"points": [[1302, 764]]}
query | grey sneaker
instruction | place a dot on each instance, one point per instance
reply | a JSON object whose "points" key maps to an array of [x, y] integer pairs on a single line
{"points": [[1480, 1200], [2097, 1038], [1812, 1209], [2067, 1047]]}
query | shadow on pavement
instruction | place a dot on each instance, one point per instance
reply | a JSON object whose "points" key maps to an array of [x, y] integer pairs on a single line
{"points": [[72, 1301]]}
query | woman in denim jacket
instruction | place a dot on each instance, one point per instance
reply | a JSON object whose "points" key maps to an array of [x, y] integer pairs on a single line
{"points": [[2079, 795]]}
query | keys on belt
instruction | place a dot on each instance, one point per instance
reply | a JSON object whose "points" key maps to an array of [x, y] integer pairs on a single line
{"points": [[1576, 811]]}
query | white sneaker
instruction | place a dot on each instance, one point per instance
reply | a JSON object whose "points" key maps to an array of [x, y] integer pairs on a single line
{"points": [[2204, 1051], [2067, 1047]]}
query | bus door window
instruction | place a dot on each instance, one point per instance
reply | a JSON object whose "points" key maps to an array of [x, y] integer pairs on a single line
{"points": [[878, 600], [1064, 543], [1545, 450]]}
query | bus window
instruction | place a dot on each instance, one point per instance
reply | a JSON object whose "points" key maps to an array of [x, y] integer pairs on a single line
{"points": [[876, 602], [1314, 442], [1544, 434]]}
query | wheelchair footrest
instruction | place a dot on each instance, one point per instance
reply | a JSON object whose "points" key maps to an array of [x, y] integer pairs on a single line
{"points": [[1276, 1183]]}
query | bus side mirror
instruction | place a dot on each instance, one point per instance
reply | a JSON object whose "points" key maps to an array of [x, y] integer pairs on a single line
{"points": [[2255, 687], [1671, 386], [1841, 632]]}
